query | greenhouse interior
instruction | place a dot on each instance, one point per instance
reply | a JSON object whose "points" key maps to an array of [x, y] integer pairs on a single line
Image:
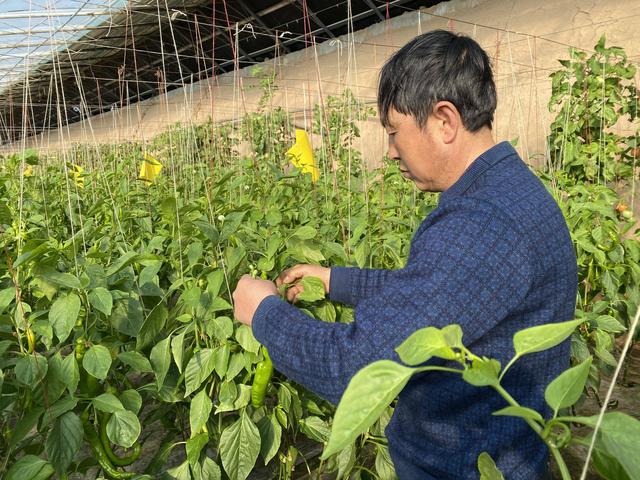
{"points": [[295, 239]]}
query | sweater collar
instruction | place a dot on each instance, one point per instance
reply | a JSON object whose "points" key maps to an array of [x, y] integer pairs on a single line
{"points": [[486, 160]]}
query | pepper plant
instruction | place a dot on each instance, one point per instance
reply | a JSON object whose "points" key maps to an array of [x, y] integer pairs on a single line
{"points": [[373, 388]]}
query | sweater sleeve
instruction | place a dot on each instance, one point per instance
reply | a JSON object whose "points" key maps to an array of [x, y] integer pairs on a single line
{"points": [[468, 266], [349, 285]]}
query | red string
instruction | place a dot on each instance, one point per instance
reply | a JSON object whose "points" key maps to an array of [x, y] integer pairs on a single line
{"points": [[304, 22], [231, 41], [213, 58], [388, 16]]}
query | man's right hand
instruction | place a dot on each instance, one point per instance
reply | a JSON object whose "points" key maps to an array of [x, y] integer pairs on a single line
{"points": [[297, 273]]}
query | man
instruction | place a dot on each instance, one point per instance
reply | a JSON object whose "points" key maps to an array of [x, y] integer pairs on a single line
{"points": [[495, 257]]}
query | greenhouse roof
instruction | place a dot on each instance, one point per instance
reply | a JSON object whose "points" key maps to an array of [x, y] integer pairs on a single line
{"points": [[66, 60]]}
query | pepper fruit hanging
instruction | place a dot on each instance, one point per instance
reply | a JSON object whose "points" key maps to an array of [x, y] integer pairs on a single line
{"points": [[264, 372]]}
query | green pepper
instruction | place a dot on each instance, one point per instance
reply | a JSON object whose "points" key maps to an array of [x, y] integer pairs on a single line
{"points": [[31, 340], [106, 444], [264, 371], [99, 453]]}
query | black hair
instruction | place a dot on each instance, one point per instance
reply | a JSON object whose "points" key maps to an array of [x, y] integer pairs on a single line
{"points": [[439, 66]]}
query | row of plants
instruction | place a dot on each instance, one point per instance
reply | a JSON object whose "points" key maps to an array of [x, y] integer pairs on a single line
{"points": [[119, 355]]}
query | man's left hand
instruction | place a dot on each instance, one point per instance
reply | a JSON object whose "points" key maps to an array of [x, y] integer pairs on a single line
{"points": [[248, 295]]}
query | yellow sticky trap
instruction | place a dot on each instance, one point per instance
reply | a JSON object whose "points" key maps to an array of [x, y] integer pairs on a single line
{"points": [[150, 168], [302, 155], [28, 171], [77, 174]]}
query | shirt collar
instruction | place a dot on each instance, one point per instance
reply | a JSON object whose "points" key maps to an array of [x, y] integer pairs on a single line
{"points": [[486, 160]]}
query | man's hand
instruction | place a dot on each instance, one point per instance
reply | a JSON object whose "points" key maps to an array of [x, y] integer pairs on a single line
{"points": [[248, 295], [297, 273]]}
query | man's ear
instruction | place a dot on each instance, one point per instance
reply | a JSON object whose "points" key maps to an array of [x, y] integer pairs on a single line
{"points": [[448, 120]]}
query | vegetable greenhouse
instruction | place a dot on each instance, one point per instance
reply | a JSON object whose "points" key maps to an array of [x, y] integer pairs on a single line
{"points": [[216, 217]]}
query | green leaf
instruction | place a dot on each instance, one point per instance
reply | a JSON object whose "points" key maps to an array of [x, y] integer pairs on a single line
{"points": [[608, 467], [61, 279], [122, 262], [487, 468], [63, 405], [107, 402], [214, 282], [64, 440], [521, 412], [369, 392], [482, 372], [136, 361], [31, 254], [247, 341], [221, 360], [161, 360], [131, 400], [424, 344], [30, 369], [618, 437], [209, 470], [312, 289], [198, 369], [181, 472], [24, 426], [542, 337], [194, 253], [236, 364], [219, 304], [220, 328], [233, 397], [97, 361], [123, 428], [152, 326], [127, 316], [384, 465], [7, 296], [566, 388], [191, 296], [70, 373], [315, 428], [609, 324], [63, 315], [239, 447], [177, 349], [234, 256], [208, 230], [100, 298], [199, 411], [305, 232], [194, 446], [270, 437], [231, 223], [30, 467]]}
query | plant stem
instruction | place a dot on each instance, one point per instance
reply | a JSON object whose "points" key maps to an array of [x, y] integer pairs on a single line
{"points": [[440, 369], [564, 471], [511, 362], [538, 429], [510, 400]]}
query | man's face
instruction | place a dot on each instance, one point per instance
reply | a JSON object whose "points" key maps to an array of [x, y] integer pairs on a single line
{"points": [[419, 152]]}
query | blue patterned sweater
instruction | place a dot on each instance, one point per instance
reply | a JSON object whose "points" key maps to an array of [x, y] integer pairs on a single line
{"points": [[495, 257]]}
